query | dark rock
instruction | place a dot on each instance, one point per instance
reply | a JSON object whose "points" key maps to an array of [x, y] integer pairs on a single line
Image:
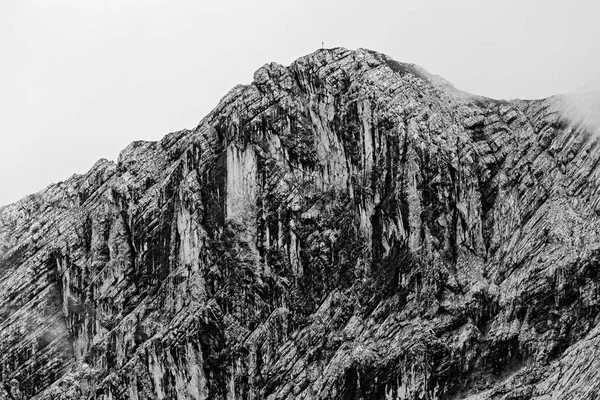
{"points": [[348, 227]]}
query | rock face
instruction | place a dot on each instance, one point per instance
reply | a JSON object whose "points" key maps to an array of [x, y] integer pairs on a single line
{"points": [[348, 227]]}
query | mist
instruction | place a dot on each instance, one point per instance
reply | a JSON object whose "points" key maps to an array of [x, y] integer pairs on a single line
{"points": [[583, 109]]}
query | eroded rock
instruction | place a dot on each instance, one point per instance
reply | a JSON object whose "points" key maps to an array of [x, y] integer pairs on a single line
{"points": [[345, 227]]}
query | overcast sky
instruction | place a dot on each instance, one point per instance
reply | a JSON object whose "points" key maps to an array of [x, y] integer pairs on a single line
{"points": [[80, 79]]}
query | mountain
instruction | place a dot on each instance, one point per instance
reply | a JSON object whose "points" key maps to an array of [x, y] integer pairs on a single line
{"points": [[348, 227]]}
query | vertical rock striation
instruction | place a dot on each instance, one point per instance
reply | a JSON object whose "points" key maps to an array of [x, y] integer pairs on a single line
{"points": [[348, 227]]}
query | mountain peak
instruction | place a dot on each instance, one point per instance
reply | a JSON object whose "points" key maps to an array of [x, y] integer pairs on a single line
{"points": [[347, 226]]}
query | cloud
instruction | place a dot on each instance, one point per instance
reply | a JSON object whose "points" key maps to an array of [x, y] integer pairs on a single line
{"points": [[583, 110]]}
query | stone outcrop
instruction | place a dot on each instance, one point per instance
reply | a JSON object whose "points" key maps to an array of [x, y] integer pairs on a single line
{"points": [[348, 227]]}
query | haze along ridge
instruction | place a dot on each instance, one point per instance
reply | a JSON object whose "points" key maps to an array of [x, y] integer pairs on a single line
{"points": [[348, 227]]}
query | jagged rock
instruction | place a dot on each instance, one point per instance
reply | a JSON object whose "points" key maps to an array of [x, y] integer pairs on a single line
{"points": [[345, 227]]}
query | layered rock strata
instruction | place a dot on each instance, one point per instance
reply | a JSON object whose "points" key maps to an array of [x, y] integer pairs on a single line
{"points": [[348, 227]]}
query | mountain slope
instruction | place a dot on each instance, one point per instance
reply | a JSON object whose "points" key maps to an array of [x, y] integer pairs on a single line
{"points": [[345, 227]]}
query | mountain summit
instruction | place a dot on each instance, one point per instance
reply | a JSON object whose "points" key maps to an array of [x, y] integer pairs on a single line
{"points": [[348, 227]]}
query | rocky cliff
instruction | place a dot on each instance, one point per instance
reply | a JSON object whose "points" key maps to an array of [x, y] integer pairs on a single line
{"points": [[348, 227]]}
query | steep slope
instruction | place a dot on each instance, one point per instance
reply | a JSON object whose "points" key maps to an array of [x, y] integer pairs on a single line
{"points": [[346, 227]]}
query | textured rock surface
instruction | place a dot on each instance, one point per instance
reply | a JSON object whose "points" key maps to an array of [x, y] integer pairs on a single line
{"points": [[346, 227]]}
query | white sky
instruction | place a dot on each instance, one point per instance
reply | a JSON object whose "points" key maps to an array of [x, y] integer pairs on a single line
{"points": [[80, 79]]}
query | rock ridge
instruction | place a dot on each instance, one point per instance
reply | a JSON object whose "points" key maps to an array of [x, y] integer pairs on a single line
{"points": [[346, 227]]}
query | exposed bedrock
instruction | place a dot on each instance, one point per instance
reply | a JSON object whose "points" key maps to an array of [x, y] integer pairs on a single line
{"points": [[348, 227]]}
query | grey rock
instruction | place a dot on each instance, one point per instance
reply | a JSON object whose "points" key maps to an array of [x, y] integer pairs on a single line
{"points": [[346, 227]]}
